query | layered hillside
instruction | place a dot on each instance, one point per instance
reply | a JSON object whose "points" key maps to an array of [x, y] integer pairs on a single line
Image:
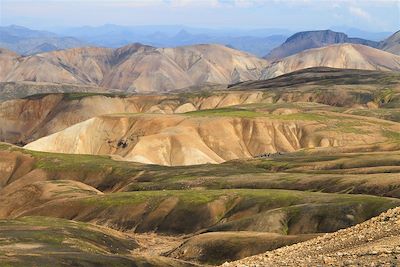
{"points": [[138, 68], [200, 137], [344, 56], [24, 120], [313, 39], [361, 92]]}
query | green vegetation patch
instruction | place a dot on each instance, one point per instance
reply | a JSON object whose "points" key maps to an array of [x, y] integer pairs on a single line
{"points": [[225, 112], [192, 197], [384, 96], [57, 233], [392, 135], [302, 117], [347, 126], [381, 113]]}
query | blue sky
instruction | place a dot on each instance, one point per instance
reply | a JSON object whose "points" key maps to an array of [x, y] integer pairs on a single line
{"points": [[377, 15]]}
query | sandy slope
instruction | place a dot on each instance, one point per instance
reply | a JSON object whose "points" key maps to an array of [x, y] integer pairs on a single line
{"points": [[346, 56]]}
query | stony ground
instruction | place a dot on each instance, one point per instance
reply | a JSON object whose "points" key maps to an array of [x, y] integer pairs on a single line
{"points": [[373, 243]]}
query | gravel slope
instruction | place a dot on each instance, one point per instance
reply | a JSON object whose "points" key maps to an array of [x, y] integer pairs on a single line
{"points": [[375, 242]]}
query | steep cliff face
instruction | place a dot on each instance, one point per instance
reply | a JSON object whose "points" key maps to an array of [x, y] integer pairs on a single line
{"points": [[186, 140], [344, 56]]}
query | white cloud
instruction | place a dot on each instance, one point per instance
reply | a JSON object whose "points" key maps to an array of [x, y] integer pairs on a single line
{"points": [[359, 12], [247, 3]]}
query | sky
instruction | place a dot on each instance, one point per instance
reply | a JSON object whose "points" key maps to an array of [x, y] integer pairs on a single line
{"points": [[370, 15]]}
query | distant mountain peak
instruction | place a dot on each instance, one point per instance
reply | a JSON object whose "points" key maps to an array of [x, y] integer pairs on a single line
{"points": [[313, 39], [183, 34]]}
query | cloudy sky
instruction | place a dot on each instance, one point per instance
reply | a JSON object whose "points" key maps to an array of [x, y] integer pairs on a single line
{"points": [[372, 15]]}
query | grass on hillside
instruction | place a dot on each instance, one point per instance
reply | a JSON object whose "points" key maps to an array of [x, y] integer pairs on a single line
{"points": [[225, 112]]}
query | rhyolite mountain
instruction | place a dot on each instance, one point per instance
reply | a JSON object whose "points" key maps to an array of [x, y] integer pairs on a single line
{"points": [[135, 68]]}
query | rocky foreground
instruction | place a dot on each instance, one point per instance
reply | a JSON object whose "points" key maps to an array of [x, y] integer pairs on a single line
{"points": [[375, 242]]}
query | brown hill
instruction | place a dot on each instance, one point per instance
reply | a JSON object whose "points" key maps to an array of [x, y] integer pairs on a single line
{"points": [[344, 56], [391, 44], [138, 68]]}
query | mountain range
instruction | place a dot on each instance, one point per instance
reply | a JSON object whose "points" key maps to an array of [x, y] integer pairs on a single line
{"points": [[26, 41], [135, 68], [143, 68], [255, 41]]}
